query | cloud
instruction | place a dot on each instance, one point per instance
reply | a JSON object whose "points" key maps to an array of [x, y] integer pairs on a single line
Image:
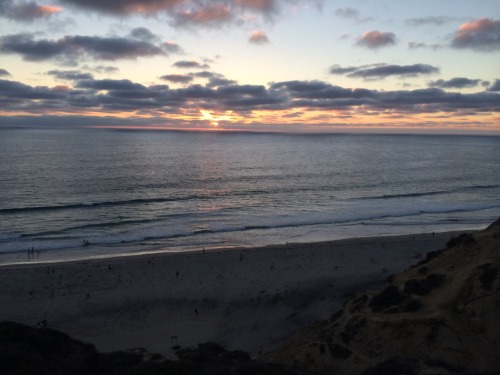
{"points": [[172, 47], [70, 75], [455, 83], [351, 13], [195, 13], [376, 39], [183, 13], [206, 14], [125, 7], [264, 6], [190, 64], [431, 20], [495, 87], [26, 11], [4, 73], [110, 84], [381, 71], [11, 90], [142, 33], [219, 81], [337, 69], [258, 37], [177, 78], [214, 79], [115, 96], [416, 45], [419, 45], [480, 35], [70, 48], [104, 69]]}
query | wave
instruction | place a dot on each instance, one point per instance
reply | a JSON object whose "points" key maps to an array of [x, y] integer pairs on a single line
{"points": [[215, 195], [55, 240], [430, 193]]}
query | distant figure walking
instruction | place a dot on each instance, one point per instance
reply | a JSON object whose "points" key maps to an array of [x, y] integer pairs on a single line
{"points": [[86, 243], [31, 253]]}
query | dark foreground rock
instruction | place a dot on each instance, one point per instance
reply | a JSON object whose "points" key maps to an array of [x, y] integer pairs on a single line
{"points": [[26, 350], [440, 317]]}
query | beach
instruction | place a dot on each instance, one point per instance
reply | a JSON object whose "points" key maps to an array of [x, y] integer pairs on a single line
{"points": [[249, 298]]}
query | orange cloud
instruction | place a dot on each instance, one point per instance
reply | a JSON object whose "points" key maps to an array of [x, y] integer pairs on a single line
{"points": [[376, 39], [206, 14], [49, 9], [482, 34], [259, 37]]}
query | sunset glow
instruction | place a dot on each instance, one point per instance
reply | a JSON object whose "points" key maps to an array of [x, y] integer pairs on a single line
{"points": [[267, 65]]}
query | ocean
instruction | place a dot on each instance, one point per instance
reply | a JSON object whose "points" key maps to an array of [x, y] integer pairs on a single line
{"points": [[127, 191]]}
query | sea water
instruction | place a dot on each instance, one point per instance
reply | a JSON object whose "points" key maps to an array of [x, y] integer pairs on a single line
{"points": [[138, 191]]}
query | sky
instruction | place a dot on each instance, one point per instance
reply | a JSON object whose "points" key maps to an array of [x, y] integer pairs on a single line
{"points": [[252, 65]]}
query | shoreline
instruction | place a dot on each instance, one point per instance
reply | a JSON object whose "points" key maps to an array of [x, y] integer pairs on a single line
{"points": [[50, 258], [243, 298]]}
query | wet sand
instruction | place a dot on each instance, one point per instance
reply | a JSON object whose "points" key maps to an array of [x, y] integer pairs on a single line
{"points": [[245, 299]]}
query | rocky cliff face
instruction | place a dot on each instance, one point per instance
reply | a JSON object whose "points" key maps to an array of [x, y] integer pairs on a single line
{"points": [[441, 316]]}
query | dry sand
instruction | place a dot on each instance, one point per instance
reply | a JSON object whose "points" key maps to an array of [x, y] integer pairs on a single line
{"points": [[242, 298]]}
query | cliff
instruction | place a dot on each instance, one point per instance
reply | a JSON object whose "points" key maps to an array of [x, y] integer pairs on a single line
{"points": [[441, 316]]}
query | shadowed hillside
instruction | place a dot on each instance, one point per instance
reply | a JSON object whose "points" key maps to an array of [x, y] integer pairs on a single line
{"points": [[26, 351], [441, 316]]}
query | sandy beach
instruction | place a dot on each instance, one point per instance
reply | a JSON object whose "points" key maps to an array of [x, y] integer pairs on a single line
{"points": [[249, 299]]}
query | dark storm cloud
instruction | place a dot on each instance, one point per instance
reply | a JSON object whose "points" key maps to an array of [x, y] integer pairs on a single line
{"points": [[125, 95], [3, 72], [381, 71], [190, 64], [376, 39], [70, 75], [71, 48], [177, 78], [455, 83], [480, 35], [26, 11]]}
